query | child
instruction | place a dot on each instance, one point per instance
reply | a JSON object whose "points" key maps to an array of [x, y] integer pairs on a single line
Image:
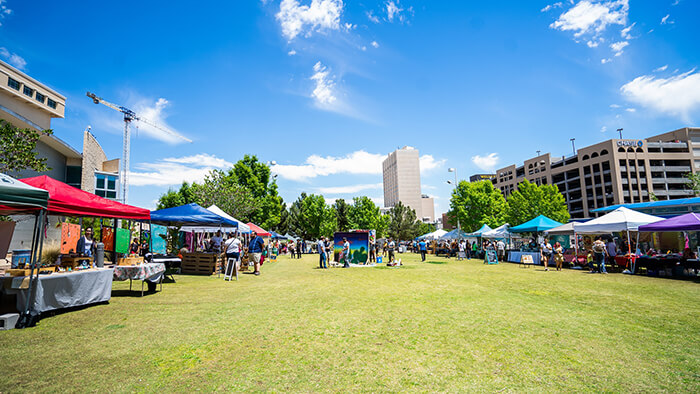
{"points": [[589, 260]]}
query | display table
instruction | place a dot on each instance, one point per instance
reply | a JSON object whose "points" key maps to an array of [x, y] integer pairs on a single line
{"points": [[515, 255], [172, 263], [666, 264], [62, 290], [151, 272]]}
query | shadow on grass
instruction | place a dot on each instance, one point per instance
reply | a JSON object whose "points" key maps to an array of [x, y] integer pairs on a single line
{"points": [[435, 262], [132, 293]]}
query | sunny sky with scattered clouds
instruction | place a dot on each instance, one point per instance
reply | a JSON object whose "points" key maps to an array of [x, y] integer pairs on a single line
{"points": [[326, 88]]}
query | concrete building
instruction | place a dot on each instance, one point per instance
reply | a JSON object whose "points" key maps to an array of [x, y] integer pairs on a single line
{"points": [[427, 208], [616, 171], [482, 177], [401, 173]]}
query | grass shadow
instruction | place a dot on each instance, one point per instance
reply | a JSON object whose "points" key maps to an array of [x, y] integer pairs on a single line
{"points": [[435, 262]]}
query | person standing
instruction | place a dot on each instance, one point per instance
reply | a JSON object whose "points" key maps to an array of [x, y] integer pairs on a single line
{"points": [[390, 249], [558, 255], [599, 252], [216, 242], [423, 248], [373, 252], [611, 248], [475, 249], [546, 251], [255, 248], [501, 246], [86, 244], [322, 253], [233, 251], [460, 252], [346, 253], [299, 246]]}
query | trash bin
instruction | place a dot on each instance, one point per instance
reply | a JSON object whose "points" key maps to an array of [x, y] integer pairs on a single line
{"points": [[379, 259]]}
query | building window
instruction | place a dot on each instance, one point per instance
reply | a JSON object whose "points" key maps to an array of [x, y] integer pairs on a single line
{"points": [[13, 83], [40, 97], [106, 185], [28, 91], [51, 103]]}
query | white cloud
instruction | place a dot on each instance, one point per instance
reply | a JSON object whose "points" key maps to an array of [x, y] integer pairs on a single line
{"points": [[676, 96], [592, 18], [665, 21], [603, 61], [323, 92], [4, 11], [349, 189], [356, 163], [486, 163], [662, 68], [552, 6], [155, 113], [615, 106], [631, 109], [375, 44], [318, 16], [292, 52], [592, 44], [392, 9], [675, 2], [618, 47], [14, 59], [625, 33], [175, 170], [372, 17], [603, 129]]}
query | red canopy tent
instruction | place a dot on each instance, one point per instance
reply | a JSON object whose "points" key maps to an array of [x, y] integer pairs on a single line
{"points": [[259, 231], [69, 201]]}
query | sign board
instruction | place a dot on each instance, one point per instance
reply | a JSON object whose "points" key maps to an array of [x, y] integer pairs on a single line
{"points": [[526, 259], [123, 238], [630, 143], [70, 234], [359, 246], [490, 257]]}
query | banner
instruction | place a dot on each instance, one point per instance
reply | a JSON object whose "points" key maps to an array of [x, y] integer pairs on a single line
{"points": [[70, 234], [159, 234], [123, 239]]}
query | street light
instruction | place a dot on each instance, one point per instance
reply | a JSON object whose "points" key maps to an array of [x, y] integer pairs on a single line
{"points": [[572, 145], [459, 227], [620, 131]]}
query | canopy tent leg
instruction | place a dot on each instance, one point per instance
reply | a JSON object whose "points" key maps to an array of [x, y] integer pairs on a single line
{"points": [[26, 319], [634, 261]]}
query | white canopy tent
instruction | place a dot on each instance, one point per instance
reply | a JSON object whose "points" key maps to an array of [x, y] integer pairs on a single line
{"points": [[242, 227], [434, 235], [498, 232], [621, 219], [564, 229]]}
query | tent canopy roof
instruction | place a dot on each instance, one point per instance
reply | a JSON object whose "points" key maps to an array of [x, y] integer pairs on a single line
{"points": [[480, 231], [69, 201], [564, 229], [242, 227], [536, 225], [17, 195], [189, 214], [454, 234], [258, 230], [621, 219], [687, 222], [434, 235], [498, 232]]}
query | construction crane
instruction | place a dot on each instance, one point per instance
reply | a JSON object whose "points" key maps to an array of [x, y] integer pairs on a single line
{"points": [[130, 116]]}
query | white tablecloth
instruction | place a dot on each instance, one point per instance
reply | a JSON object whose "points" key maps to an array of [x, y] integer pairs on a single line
{"points": [[67, 290]]}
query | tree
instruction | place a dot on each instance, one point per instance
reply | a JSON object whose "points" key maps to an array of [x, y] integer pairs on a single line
{"points": [[693, 182], [531, 200], [342, 209], [222, 190], [255, 176], [17, 148], [476, 204], [175, 198], [364, 214], [310, 217], [403, 224], [425, 228]]}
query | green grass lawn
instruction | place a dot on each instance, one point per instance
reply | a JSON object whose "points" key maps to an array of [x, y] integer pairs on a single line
{"points": [[438, 326]]}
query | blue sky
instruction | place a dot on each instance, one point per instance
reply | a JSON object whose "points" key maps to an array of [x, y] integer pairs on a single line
{"points": [[326, 88]]}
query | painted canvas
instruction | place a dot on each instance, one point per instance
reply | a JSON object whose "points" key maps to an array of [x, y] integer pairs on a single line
{"points": [[359, 246], [159, 235], [108, 238], [70, 234], [123, 239]]}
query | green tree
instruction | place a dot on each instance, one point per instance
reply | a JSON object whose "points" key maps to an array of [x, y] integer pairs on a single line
{"points": [[255, 176], [693, 182], [341, 209], [364, 214], [425, 228], [477, 203], [531, 200], [310, 217], [17, 148], [222, 190], [403, 224], [175, 198]]}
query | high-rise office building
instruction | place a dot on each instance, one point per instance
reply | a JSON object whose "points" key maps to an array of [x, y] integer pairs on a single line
{"points": [[401, 170]]}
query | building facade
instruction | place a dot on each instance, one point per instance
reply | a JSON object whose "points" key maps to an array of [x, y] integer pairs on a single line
{"points": [[616, 171], [482, 177], [401, 175]]}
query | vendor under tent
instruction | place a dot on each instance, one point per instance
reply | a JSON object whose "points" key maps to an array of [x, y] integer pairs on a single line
{"points": [[258, 230], [536, 225]]}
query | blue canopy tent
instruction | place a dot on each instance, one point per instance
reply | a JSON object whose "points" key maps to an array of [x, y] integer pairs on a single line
{"points": [[536, 225], [277, 236], [455, 234], [480, 231], [189, 214]]}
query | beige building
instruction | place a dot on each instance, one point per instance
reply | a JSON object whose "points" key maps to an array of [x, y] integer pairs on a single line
{"points": [[401, 171], [616, 171]]}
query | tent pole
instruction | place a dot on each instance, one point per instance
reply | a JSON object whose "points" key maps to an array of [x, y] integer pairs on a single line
{"points": [[38, 226], [150, 237], [634, 261]]}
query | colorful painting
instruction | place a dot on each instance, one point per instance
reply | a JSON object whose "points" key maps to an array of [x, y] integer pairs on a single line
{"points": [[123, 240], [359, 246], [70, 234], [159, 235], [564, 240], [108, 238]]}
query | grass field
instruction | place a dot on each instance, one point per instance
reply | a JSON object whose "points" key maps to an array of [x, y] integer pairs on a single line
{"points": [[443, 325]]}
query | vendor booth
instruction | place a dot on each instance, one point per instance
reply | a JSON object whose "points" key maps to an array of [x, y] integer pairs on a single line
{"points": [[56, 288], [673, 264], [537, 225], [198, 263]]}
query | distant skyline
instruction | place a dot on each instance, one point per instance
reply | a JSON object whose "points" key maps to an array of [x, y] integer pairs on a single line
{"points": [[328, 88]]}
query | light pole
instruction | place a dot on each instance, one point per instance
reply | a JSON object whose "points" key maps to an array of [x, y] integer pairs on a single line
{"points": [[620, 131], [572, 145], [459, 227]]}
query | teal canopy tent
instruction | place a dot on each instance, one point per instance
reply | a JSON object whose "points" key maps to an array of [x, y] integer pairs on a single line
{"points": [[536, 225]]}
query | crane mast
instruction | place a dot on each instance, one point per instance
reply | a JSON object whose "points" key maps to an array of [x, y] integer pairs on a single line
{"points": [[129, 116]]}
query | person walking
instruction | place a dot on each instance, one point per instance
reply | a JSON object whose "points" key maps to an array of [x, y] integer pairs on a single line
{"points": [[460, 253], [346, 253], [611, 248], [290, 248], [390, 248], [322, 253], [600, 252], [546, 251], [558, 255], [255, 248], [423, 248], [299, 246]]}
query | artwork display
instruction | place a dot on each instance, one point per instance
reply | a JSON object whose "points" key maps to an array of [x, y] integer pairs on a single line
{"points": [[70, 234], [359, 246], [159, 235], [108, 238], [123, 239]]}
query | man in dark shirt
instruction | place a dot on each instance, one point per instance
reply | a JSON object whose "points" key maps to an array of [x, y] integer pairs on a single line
{"points": [[255, 249]]}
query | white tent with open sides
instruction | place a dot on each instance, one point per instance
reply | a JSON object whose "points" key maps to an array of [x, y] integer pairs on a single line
{"points": [[621, 219]]}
